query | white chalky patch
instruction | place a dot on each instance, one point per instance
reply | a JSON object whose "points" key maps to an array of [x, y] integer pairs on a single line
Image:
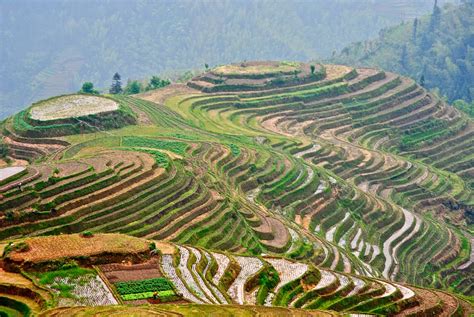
{"points": [[170, 271], [399, 244], [389, 289], [186, 274], [218, 293], [249, 266], [343, 281], [287, 271], [358, 285], [88, 291], [201, 282], [327, 278], [72, 106], [409, 218], [222, 263], [376, 252], [314, 148], [406, 292], [6, 172], [321, 187], [330, 233], [355, 240]]}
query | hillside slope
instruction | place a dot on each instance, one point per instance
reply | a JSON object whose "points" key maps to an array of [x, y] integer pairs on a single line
{"points": [[439, 48], [352, 170]]}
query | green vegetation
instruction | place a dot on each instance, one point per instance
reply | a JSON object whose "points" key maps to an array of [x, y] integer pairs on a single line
{"points": [[71, 272], [465, 107], [436, 50], [156, 83], [163, 296], [234, 149], [63, 280], [173, 146], [88, 88], [116, 87], [349, 170], [142, 286]]}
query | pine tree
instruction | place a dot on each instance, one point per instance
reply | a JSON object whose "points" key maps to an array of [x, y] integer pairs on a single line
{"points": [[404, 57], [415, 29], [116, 87], [435, 18]]}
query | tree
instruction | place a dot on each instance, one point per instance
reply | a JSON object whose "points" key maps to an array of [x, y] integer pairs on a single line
{"points": [[435, 17], [313, 68], [206, 66], [156, 82], [116, 87], [415, 29], [404, 57], [133, 87], [422, 81], [3, 150], [88, 88]]}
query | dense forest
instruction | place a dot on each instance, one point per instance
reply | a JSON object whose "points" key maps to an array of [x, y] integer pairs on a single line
{"points": [[437, 50], [52, 47]]}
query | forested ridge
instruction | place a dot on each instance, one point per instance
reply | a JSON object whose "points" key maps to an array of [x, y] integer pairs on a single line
{"points": [[437, 50], [52, 47]]}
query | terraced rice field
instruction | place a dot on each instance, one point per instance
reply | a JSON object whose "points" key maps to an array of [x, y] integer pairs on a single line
{"points": [[72, 106], [197, 279], [359, 175]]}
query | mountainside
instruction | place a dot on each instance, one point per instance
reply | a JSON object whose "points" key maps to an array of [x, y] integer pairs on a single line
{"points": [[51, 48], [360, 175], [436, 50]]}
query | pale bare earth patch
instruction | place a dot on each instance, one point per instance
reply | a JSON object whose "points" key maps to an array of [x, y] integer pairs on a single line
{"points": [[160, 95], [336, 71], [7, 172], [257, 68], [72, 106]]}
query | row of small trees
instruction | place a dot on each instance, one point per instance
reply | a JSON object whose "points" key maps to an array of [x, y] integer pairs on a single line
{"points": [[132, 87]]}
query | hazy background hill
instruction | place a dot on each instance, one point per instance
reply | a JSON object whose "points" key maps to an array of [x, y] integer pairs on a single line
{"points": [[437, 50], [51, 47]]}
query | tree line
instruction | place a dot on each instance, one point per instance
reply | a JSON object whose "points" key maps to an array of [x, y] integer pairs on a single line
{"points": [[132, 87]]}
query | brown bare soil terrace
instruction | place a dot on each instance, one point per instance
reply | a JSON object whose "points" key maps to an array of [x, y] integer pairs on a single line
{"points": [[53, 247]]}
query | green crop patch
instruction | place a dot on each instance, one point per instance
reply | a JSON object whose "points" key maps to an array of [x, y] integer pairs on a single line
{"points": [[143, 286], [163, 296], [173, 146]]}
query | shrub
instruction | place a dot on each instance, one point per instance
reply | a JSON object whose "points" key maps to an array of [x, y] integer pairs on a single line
{"points": [[311, 277], [88, 88], [87, 234]]}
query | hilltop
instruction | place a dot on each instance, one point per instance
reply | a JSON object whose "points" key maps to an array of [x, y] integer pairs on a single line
{"points": [[360, 174]]}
